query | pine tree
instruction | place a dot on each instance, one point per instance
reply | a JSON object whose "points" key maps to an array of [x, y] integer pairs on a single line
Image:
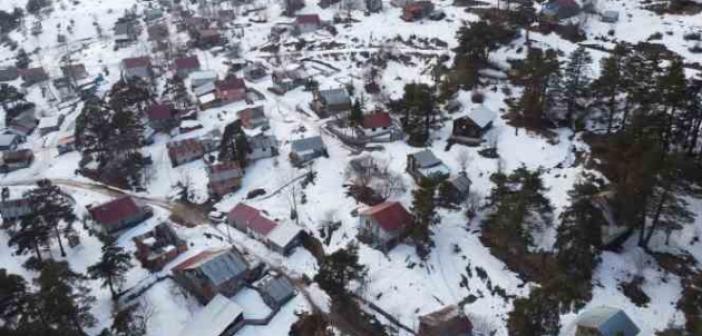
{"points": [[418, 105], [356, 115], [576, 81], [339, 269], [536, 315], [539, 72], [424, 211], [62, 301], [15, 296], [610, 84], [128, 322], [113, 264], [51, 207], [22, 59]]}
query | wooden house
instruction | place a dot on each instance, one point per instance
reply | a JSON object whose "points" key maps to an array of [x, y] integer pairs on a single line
{"points": [[138, 67], [119, 214], [417, 10], [425, 165], [230, 90], [15, 160], [224, 178], [383, 225], [305, 150], [158, 247], [253, 117], [332, 102], [448, 321], [213, 272], [307, 23], [184, 66], [471, 128], [184, 151]]}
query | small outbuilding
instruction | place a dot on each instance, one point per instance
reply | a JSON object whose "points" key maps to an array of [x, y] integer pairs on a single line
{"points": [[605, 321], [305, 150]]}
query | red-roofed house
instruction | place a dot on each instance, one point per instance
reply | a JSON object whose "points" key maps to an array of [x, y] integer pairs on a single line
{"points": [[119, 214], [184, 151], [417, 10], [160, 117], [230, 90], [384, 224], [224, 178], [279, 237], [185, 65], [307, 23], [137, 67], [378, 120]]}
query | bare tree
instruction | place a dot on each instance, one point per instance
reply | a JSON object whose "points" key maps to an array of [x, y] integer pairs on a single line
{"points": [[472, 204], [391, 185], [464, 159]]}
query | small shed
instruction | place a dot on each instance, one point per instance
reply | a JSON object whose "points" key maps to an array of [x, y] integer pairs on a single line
{"points": [[275, 290], [306, 150], [610, 16], [605, 321]]}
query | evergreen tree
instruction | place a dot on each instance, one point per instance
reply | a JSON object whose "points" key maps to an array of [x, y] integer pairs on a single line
{"points": [[51, 207], [234, 146], [536, 315], [356, 115], [62, 302], [22, 59], [610, 84], [113, 264], [128, 322], [15, 295], [418, 106], [576, 81], [539, 72], [339, 269], [424, 211]]}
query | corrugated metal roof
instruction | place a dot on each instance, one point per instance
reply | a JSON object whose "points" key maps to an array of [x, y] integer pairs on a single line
{"points": [[279, 288], [482, 116], [214, 318], [303, 145], [461, 183], [335, 96], [225, 266], [426, 159], [609, 321]]}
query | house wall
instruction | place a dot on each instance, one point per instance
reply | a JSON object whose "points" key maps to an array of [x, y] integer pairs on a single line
{"points": [[228, 96]]}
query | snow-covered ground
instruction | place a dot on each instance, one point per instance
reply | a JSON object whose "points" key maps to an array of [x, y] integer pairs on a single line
{"points": [[398, 281]]}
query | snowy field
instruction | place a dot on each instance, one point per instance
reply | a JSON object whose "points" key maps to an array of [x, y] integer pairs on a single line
{"points": [[398, 281]]}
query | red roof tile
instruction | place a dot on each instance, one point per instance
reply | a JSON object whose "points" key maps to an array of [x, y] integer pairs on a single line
{"points": [[391, 216], [377, 120], [187, 63], [251, 218], [308, 19], [136, 62], [231, 83], [195, 260], [159, 112], [112, 212]]}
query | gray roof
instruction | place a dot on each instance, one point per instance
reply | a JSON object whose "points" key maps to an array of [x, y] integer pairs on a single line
{"points": [[335, 96], [426, 159], [303, 145], [461, 182], [8, 74], [7, 139], [608, 321], [224, 267], [122, 28], [262, 141], [279, 288]]}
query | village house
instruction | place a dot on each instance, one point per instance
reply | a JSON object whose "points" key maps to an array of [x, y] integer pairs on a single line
{"points": [[305, 150], [380, 125], [307, 23], [383, 225], [560, 9], [417, 10], [119, 214], [609, 16], [374, 6], [24, 124], [200, 78], [289, 79], [125, 33], [471, 128], [8, 74], [33, 76], [66, 144], [261, 146], [138, 67], [605, 321], [13, 206], [207, 38], [253, 117], [213, 272], [75, 72], [9, 141], [50, 124], [161, 117], [158, 33], [64, 87], [15, 160], [275, 290], [220, 317], [230, 90], [156, 248], [184, 66], [458, 188], [332, 102], [224, 178], [425, 165], [194, 24], [254, 71], [448, 321], [184, 151], [279, 237]]}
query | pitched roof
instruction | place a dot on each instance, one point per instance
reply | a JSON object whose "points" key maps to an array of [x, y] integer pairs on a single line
{"points": [[214, 318], [224, 171], [34, 74], [276, 286], [335, 96], [426, 159], [159, 112], [186, 146], [461, 182], [449, 320], [307, 144], [482, 116], [391, 216], [231, 83], [136, 62], [308, 19], [252, 219], [114, 211], [187, 63], [377, 120], [218, 266], [76, 71], [608, 321]]}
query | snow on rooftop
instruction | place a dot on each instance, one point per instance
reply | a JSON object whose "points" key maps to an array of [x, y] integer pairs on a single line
{"points": [[212, 320]]}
